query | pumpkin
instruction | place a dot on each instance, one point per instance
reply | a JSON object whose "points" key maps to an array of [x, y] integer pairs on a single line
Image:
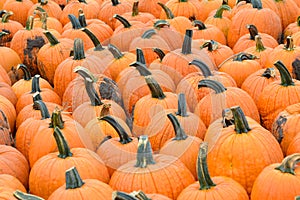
{"points": [[9, 59], [10, 181], [152, 173], [137, 194], [86, 161], [277, 175], [237, 140], [51, 7], [220, 187], [294, 145], [9, 110], [76, 188], [5, 131], [288, 12], [4, 78], [7, 91], [292, 29]]}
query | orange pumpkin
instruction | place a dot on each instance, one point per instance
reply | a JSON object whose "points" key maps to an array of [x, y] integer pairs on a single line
{"points": [[5, 131]]}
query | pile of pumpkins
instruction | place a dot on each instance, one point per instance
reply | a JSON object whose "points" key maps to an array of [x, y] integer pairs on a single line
{"points": [[140, 100]]}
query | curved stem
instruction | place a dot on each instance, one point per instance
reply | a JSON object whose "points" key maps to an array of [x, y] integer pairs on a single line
{"points": [[96, 42], [135, 8], [56, 119], [179, 132], [82, 1], [118, 195], [167, 10], [74, 21], [211, 45], [187, 42], [258, 43], [25, 70], [200, 25], [142, 69], [227, 118], [43, 108], [85, 73], [148, 34], [256, 4], [252, 31], [159, 53], [140, 195], [6, 17], [43, 2], [35, 84], [124, 21], [23, 196], [288, 164], [219, 12], [156, 91], [93, 95], [29, 23], [204, 178], [289, 46], [78, 49], [105, 110], [2, 12], [123, 135], [81, 18], [158, 24], [202, 66], [73, 179], [285, 76], [115, 51], [36, 97], [115, 2], [269, 73], [212, 84], [62, 144], [243, 56], [240, 121], [4, 33], [51, 38], [182, 111], [144, 153], [140, 56]]}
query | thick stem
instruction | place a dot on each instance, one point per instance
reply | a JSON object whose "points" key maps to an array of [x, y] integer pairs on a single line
{"points": [[74, 21], [4, 33], [285, 76], [258, 43], [142, 68], [167, 11], [296, 68], [82, 1], [200, 25], [6, 17], [140, 195], [43, 2], [288, 164], [73, 179], [78, 49], [2, 12], [156, 91], [240, 121], [148, 34], [144, 153], [29, 23], [105, 110], [23, 196], [96, 42], [204, 178], [123, 135], [118, 195], [85, 73], [298, 21], [36, 97], [25, 70], [269, 73], [187, 42], [202, 66], [179, 132], [244, 56], [93, 95], [135, 8], [43, 108], [211, 45], [140, 56], [115, 51], [56, 119], [35, 84], [252, 31], [81, 18], [182, 109], [289, 46], [227, 118], [115, 2], [124, 21], [159, 53], [51, 38], [62, 144], [219, 12], [212, 84], [158, 24], [256, 4]]}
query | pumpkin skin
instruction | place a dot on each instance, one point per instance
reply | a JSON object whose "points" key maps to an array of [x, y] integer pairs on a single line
{"points": [[10, 181], [7, 92], [294, 145], [277, 175], [4, 78], [5, 132], [50, 7], [138, 194], [9, 110]]}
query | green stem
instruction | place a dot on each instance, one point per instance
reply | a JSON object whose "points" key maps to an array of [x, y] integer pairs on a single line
{"points": [[93, 95], [29, 23], [115, 51], [269, 73], [124, 21], [140, 195], [258, 43], [43, 2], [289, 46], [35, 84], [96, 42], [73, 179], [2, 12], [200, 25], [156, 91], [140, 56], [179, 132], [167, 11], [56, 119], [4, 33], [123, 135], [202, 66], [142, 69], [219, 12], [118, 195], [36, 97], [182, 109], [298, 21], [25, 70], [23, 196], [187, 42], [204, 178], [43, 108], [244, 56], [74, 21], [78, 49], [144, 153], [211, 45], [85, 73], [148, 34], [285, 76], [115, 2], [227, 118], [240, 121], [51, 38], [6, 17], [158, 24], [252, 31], [81, 18], [288, 164], [62, 144], [159, 53], [135, 9], [256, 4], [212, 84]]}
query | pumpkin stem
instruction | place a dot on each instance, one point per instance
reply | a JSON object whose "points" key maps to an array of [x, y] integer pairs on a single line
{"points": [[289, 46], [156, 91], [135, 8], [159, 53], [96, 42], [296, 68], [148, 34], [81, 18], [74, 21], [29, 23], [43, 108], [158, 24], [42, 15], [43, 2], [269, 73], [124, 137], [144, 153], [56, 119], [167, 10], [23, 196], [212, 84], [252, 31], [202, 66], [187, 42], [82, 1], [244, 56], [6, 16], [124, 21], [115, 51], [258, 43], [25, 70], [4, 33], [35, 84], [93, 95], [142, 69], [140, 56], [240, 121], [204, 178], [140, 195], [227, 118], [298, 20], [105, 110], [219, 12], [256, 4], [211, 45], [78, 49], [115, 2], [182, 111], [179, 132], [288, 164], [51, 38], [73, 179], [62, 144], [36, 97], [200, 25], [118, 195], [85, 73], [285, 76]]}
